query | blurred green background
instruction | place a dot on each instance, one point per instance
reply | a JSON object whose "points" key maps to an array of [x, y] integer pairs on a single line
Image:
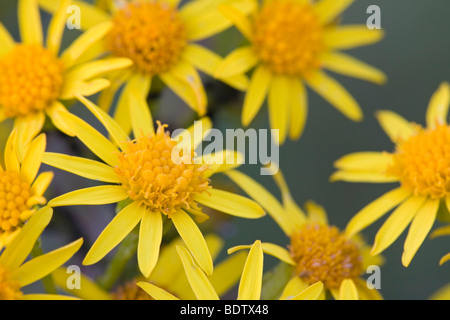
{"points": [[415, 56]]}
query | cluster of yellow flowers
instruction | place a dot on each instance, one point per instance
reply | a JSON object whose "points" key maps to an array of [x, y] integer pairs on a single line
{"points": [[125, 50]]}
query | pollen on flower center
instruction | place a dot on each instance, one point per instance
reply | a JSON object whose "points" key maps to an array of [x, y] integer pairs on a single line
{"points": [[15, 201], [151, 177], [322, 253], [9, 289], [288, 37], [130, 291], [31, 79], [150, 34], [422, 163]]}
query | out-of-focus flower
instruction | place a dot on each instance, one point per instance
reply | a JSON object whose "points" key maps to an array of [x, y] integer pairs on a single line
{"points": [[35, 79], [291, 42], [318, 251], [420, 163], [16, 273]]}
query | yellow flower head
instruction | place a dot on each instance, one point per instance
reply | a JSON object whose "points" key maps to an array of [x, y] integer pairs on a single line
{"points": [[21, 188], [420, 163], [160, 37], [318, 251], [143, 172], [36, 78], [16, 273], [290, 43]]}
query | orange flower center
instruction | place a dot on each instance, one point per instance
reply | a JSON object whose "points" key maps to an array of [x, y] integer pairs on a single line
{"points": [[322, 253], [31, 79], [14, 201], [151, 177], [150, 33], [422, 162], [9, 289], [288, 37]]}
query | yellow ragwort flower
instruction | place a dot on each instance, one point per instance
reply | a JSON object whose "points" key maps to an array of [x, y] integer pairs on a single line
{"points": [[159, 37], [21, 188], [290, 43], [16, 272], [420, 163], [168, 274], [143, 172], [318, 251], [250, 284], [35, 79]]}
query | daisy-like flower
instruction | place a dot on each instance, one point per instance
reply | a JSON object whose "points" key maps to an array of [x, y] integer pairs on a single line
{"points": [[250, 284], [16, 273], [420, 163], [21, 188], [290, 43], [159, 37], [35, 79], [143, 172], [168, 274], [317, 251]]}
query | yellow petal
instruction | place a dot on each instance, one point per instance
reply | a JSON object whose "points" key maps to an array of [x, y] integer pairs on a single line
{"points": [[349, 66], [313, 292], [71, 55], [208, 61], [113, 128], [11, 161], [94, 140], [316, 213], [91, 196], [194, 135], [54, 113], [328, 10], [230, 203], [348, 291], [41, 183], [27, 129], [56, 27], [264, 198], [150, 236], [294, 286], [274, 250], [239, 19], [335, 94], [199, 282], [375, 210], [222, 161], [227, 273], [86, 168], [141, 118], [156, 292], [351, 36], [299, 109], [251, 281], [20, 247], [30, 22], [396, 223], [439, 232], [364, 161], [419, 229], [7, 42], [83, 88], [91, 69], [437, 110], [256, 93], [43, 265], [33, 158], [122, 224], [279, 103], [361, 176], [239, 61], [444, 259], [193, 238]]}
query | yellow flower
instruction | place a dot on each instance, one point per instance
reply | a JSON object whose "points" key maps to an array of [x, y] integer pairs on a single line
{"points": [[420, 163], [143, 172], [16, 273], [317, 250], [250, 284], [159, 37], [439, 232], [168, 274], [21, 188], [36, 79], [291, 41]]}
